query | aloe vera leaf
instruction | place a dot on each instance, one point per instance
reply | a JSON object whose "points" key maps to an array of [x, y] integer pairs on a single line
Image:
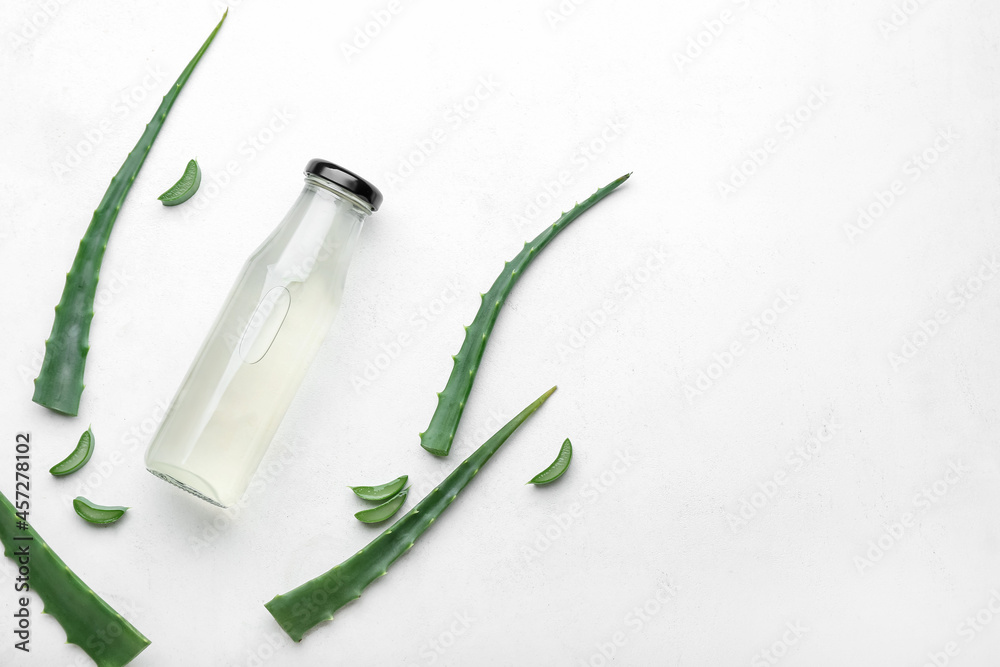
{"points": [[383, 512], [380, 492], [557, 468], [316, 600], [89, 621], [59, 385], [78, 457], [101, 514], [440, 433], [185, 187]]}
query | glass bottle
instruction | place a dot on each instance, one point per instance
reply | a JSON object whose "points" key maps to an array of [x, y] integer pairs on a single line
{"points": [[252, 362]]}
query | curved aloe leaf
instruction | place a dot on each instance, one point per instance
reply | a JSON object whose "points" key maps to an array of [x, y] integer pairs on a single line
{"points": [[440, 433], [89, 621], [59, 385], [316, 601]]}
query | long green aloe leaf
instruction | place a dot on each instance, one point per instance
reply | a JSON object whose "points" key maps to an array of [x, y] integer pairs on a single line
{"points": [[89, 621], [440, 433], [59, 385], [316, 601]]}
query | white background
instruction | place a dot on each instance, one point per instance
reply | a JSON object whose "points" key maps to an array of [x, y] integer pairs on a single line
{"points": [[194, 578]]}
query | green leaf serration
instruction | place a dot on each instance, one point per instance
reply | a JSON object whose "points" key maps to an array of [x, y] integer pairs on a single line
{"points": [[59, 385], [440, 433], [89, 621], [318, 599]]}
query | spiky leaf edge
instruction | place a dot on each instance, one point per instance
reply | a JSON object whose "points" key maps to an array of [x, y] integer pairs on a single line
{"points": [[89, 621], [440, 433]]}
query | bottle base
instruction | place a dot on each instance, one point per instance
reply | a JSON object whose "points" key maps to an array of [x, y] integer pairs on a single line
{"points": [[167, 478]]}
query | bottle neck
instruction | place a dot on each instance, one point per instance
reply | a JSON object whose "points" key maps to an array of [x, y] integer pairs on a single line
{"points": [[316, 183]]}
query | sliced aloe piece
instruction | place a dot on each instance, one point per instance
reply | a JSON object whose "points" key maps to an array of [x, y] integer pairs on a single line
{"points": [[558, 467], [100, 514], [185, 188], [384, 511], [78, 457], [380, 492]]}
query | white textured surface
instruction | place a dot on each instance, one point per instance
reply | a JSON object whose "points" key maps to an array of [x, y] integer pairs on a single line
{"points": [[662, 518]]}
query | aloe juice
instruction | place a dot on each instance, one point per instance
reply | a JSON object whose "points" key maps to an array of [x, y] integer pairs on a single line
{"points": [[250, 366]]}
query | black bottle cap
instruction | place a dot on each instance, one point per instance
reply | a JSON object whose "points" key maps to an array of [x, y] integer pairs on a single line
{"points": [[346, 180]]}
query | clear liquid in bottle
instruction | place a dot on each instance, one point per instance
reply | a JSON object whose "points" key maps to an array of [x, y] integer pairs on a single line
{"points": [[250, 366]]}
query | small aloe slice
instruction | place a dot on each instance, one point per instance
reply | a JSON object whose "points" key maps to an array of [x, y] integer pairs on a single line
{"points": [[383, 512], [59, 385], [380, 492], [78, 457], [185, 188], [440, 432], [89, 621], [558, 467], [317, 600], [100, 514]]}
